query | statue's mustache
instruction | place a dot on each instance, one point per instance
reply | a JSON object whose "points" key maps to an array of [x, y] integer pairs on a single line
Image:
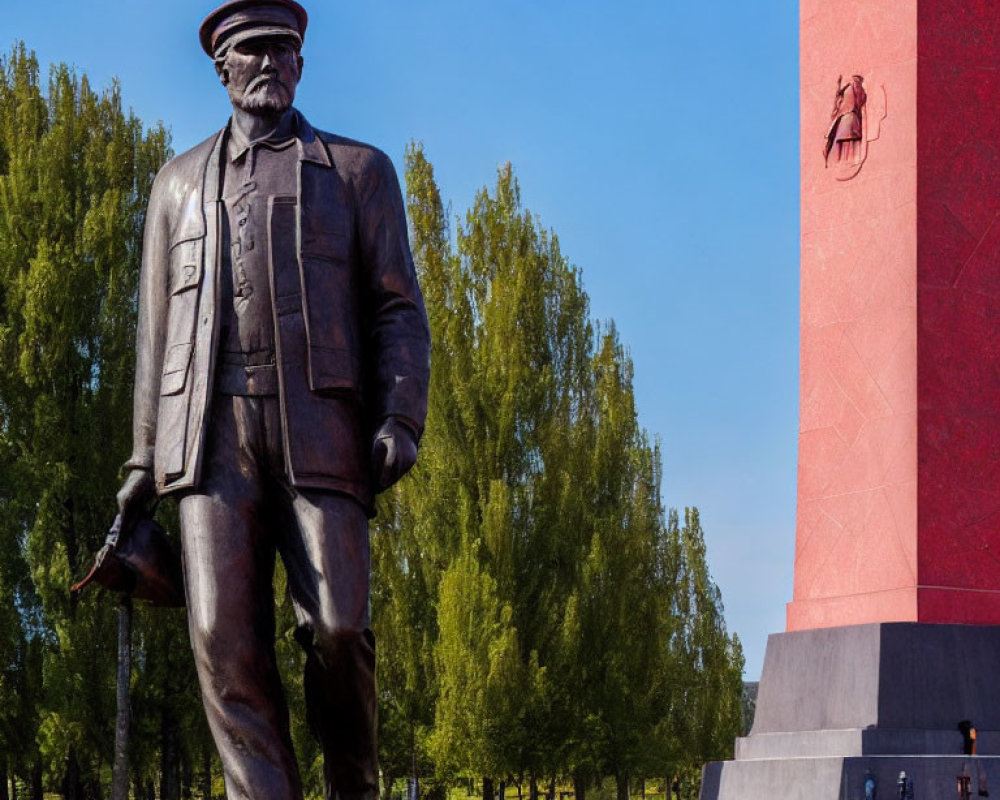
{"points": [[263, 79]]}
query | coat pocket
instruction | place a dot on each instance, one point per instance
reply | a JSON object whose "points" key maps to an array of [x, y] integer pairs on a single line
{"points": [[331, 306], [175, 367], [332, 368], [185, 275], [186, 264]]}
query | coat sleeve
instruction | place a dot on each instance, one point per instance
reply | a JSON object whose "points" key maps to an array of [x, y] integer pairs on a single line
{"points": [[398, 346], [149, 340]]}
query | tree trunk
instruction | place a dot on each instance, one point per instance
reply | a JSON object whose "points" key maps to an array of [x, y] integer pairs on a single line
{"points": [[413, 784], [4, 791], [503, 790], [532, 788], [187, 778], [206, 773], [13, 787], [387, 782], [621, 786], [170, 763], [72, 790], [36, 783], [487, 788], [552, 788], [579, 787], [119, 770], [642, 788]]}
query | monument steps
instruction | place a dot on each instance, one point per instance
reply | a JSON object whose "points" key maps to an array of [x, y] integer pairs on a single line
{"points": [[836, 705], [931, 777]]}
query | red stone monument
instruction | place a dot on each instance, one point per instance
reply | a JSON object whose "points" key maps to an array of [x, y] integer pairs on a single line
{"points": [[899, 429], [891, 653]]}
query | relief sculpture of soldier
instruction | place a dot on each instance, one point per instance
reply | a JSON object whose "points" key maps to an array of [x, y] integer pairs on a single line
{"points": [[845, 135], [281, 382]]}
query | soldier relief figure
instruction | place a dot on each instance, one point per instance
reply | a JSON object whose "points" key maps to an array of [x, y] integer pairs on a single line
{"points": [[846, 135], [281, 382]]}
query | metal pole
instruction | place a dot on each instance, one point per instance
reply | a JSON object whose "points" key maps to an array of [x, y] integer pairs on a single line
{"points": [[119, 774]]}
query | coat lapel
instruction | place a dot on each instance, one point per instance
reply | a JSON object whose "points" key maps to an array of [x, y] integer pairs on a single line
{"points": [[205, 346], [311, 147]]}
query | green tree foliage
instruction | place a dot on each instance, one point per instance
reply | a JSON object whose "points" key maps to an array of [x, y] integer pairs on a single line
{"points": [[482, 683], [519, 379], [574, 630], [713, 702], [611, 656], [699, 690], [416, 532], [75, 173]]}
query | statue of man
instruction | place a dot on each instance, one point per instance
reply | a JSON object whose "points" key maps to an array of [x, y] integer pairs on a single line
{"points": [[281, 382]]}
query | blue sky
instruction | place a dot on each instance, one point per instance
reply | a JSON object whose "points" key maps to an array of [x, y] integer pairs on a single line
{"points": [[659, 139]]}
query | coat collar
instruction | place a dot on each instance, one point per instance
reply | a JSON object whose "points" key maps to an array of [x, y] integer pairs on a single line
{"points": [[311, 147]]}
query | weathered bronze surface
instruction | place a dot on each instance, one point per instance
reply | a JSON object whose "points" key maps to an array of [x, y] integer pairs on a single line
{"points": [[281, 382]]}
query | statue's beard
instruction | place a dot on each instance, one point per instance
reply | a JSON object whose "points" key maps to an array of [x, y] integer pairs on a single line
{"points": [[266, 95]]}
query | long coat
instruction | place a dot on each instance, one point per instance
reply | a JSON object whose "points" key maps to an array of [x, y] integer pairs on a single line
{"points": [[351, 349]]}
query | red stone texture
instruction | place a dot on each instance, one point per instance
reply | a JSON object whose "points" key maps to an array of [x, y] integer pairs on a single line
{"points": [[899, 444]]}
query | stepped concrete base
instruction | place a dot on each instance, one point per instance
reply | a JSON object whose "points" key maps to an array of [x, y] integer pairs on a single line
{"points": [[860, 742], [837, 704], [933, 777]]}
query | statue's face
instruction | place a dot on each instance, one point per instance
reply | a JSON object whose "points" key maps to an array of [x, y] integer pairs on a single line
{"points": [[261, 75]]}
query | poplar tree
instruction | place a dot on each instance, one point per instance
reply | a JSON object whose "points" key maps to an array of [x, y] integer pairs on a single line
{"points": [[712, 660], [607, 639], [516, 353], [535, 511], [75, 172], [416, 533]]}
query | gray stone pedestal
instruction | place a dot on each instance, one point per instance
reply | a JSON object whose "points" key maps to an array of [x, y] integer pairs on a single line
{"points": [[837, 705]]}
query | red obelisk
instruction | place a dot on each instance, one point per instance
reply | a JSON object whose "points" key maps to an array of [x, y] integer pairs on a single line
{"points": [[899, 442], [891, 658]]}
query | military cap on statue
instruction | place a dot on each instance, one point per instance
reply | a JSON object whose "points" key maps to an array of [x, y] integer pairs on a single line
{"points": [[238, 20]]}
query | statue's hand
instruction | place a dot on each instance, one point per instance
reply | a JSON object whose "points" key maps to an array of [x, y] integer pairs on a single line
{"points": [[135, 495], [394, 451]]}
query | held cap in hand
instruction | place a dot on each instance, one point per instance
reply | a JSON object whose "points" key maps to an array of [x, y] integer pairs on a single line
{"points": [[144, 563]]}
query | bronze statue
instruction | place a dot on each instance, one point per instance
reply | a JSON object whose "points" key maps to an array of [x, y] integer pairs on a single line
{"points": [[281, 382]]}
